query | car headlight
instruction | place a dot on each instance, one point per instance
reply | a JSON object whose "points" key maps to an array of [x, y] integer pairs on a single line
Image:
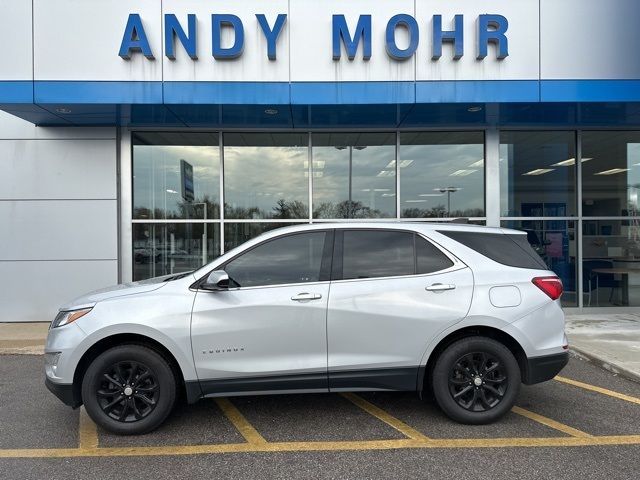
{"points": [[69, 316]]}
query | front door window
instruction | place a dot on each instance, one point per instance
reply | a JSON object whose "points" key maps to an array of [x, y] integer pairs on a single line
{"points": [[286, 260]]}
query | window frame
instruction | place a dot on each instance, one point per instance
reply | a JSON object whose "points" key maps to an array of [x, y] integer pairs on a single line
{"points": [[325, 262], [338, 253]]}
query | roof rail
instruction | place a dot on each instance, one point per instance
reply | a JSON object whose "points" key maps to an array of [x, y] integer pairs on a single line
{"points": [[460, 220]]}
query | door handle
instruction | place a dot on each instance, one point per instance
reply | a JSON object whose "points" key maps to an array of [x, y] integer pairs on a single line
{"points": [[304, 297], [440, 287]]}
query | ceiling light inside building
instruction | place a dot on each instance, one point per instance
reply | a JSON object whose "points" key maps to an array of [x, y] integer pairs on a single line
{"points": [[414, 201], [569, 162], [462, 173], [431, 194], [271, 111], [474, 109], [539, 171], [317, 164], [403, 164], [613, 171], [63, 110], [478, 164], [386, 173]]}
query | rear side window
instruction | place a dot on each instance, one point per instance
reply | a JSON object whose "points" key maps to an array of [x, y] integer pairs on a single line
{"points": [[377, 253], [511, 250], [430, 259], [381, 253]]}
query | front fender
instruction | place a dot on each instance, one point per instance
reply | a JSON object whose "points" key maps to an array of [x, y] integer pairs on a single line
{"points": [[180, 347]]}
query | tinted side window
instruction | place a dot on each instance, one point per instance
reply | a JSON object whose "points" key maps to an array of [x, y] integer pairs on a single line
{"points": [[430, 259], [511, 250], [377, 253], [291, 259]]}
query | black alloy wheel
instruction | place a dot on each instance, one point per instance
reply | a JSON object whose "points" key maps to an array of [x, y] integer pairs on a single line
{"points": [[129, 389], [476, 380]]}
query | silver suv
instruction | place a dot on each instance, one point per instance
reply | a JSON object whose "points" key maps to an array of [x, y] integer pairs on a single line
{"points": [[461, 312]]}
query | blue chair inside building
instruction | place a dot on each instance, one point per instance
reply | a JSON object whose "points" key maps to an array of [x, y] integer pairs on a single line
{"points": [[591, 281], [596, 281], [564, 271]]}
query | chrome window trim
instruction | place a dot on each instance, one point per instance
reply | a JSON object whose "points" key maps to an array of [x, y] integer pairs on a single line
{"points": [[453, 268], [257, 287]]}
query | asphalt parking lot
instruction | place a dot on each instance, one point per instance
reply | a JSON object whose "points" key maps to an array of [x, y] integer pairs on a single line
{"points": [[585, 424]]}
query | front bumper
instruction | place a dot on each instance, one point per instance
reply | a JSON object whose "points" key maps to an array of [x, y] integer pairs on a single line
{"points": [[64, 392], [541, 369]]}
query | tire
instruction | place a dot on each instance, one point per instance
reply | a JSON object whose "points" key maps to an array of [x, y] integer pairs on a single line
{"points": [[146, 399], [484, 376]]}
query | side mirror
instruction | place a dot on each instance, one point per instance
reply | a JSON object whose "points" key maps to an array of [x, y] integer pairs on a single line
{"points": [[217, 280]]}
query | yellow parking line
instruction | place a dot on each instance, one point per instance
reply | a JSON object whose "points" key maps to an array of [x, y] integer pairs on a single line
{"points": [[385, 417], [574, 432], [247, 430], [88, 432], [175, 450], [601, 390]]}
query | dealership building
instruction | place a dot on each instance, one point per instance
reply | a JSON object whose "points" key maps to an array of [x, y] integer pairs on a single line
{"points": [[142, 138]]}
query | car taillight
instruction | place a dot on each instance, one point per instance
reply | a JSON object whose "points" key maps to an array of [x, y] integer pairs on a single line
{"points": [[552, 286]]}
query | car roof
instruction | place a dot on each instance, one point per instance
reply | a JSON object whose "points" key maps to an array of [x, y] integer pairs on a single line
{"points": [[391, 225]]}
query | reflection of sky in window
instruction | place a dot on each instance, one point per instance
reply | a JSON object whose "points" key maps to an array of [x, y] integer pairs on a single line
{"points": [[257, 177], [156, 177], [537, 173], [331, 176], [424, 169], [262, 169], [611, 179]]}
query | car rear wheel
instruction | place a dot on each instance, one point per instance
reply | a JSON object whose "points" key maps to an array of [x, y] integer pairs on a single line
{"points": [[476, 380], [129, 390]]}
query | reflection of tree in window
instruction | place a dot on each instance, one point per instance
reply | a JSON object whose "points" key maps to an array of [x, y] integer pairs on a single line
{"points": [[346, 209]]}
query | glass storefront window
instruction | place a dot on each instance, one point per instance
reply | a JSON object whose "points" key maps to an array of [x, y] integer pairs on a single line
{"points": [[611, 262], [354, 175], [266, 175], [610, 173], [555, 242], [237, 233], [441, 174], [166, 248], [537, 174], [176, 176]]}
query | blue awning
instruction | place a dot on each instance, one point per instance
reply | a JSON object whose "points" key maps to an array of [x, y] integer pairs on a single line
{"points": [[607, 103]]}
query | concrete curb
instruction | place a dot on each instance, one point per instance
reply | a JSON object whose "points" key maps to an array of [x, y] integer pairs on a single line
{"points": [[23, 350], [604, 363]]}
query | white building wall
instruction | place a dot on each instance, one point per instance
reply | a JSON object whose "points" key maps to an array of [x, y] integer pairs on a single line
{"points": [[58, 216]]}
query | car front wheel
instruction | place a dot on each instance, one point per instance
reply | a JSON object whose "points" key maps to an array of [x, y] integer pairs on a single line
{"points": [[476, 380], [129, 390]]}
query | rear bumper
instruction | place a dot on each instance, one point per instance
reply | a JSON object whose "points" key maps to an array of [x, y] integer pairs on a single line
{"points": [[541, 369], [64, 392]]}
